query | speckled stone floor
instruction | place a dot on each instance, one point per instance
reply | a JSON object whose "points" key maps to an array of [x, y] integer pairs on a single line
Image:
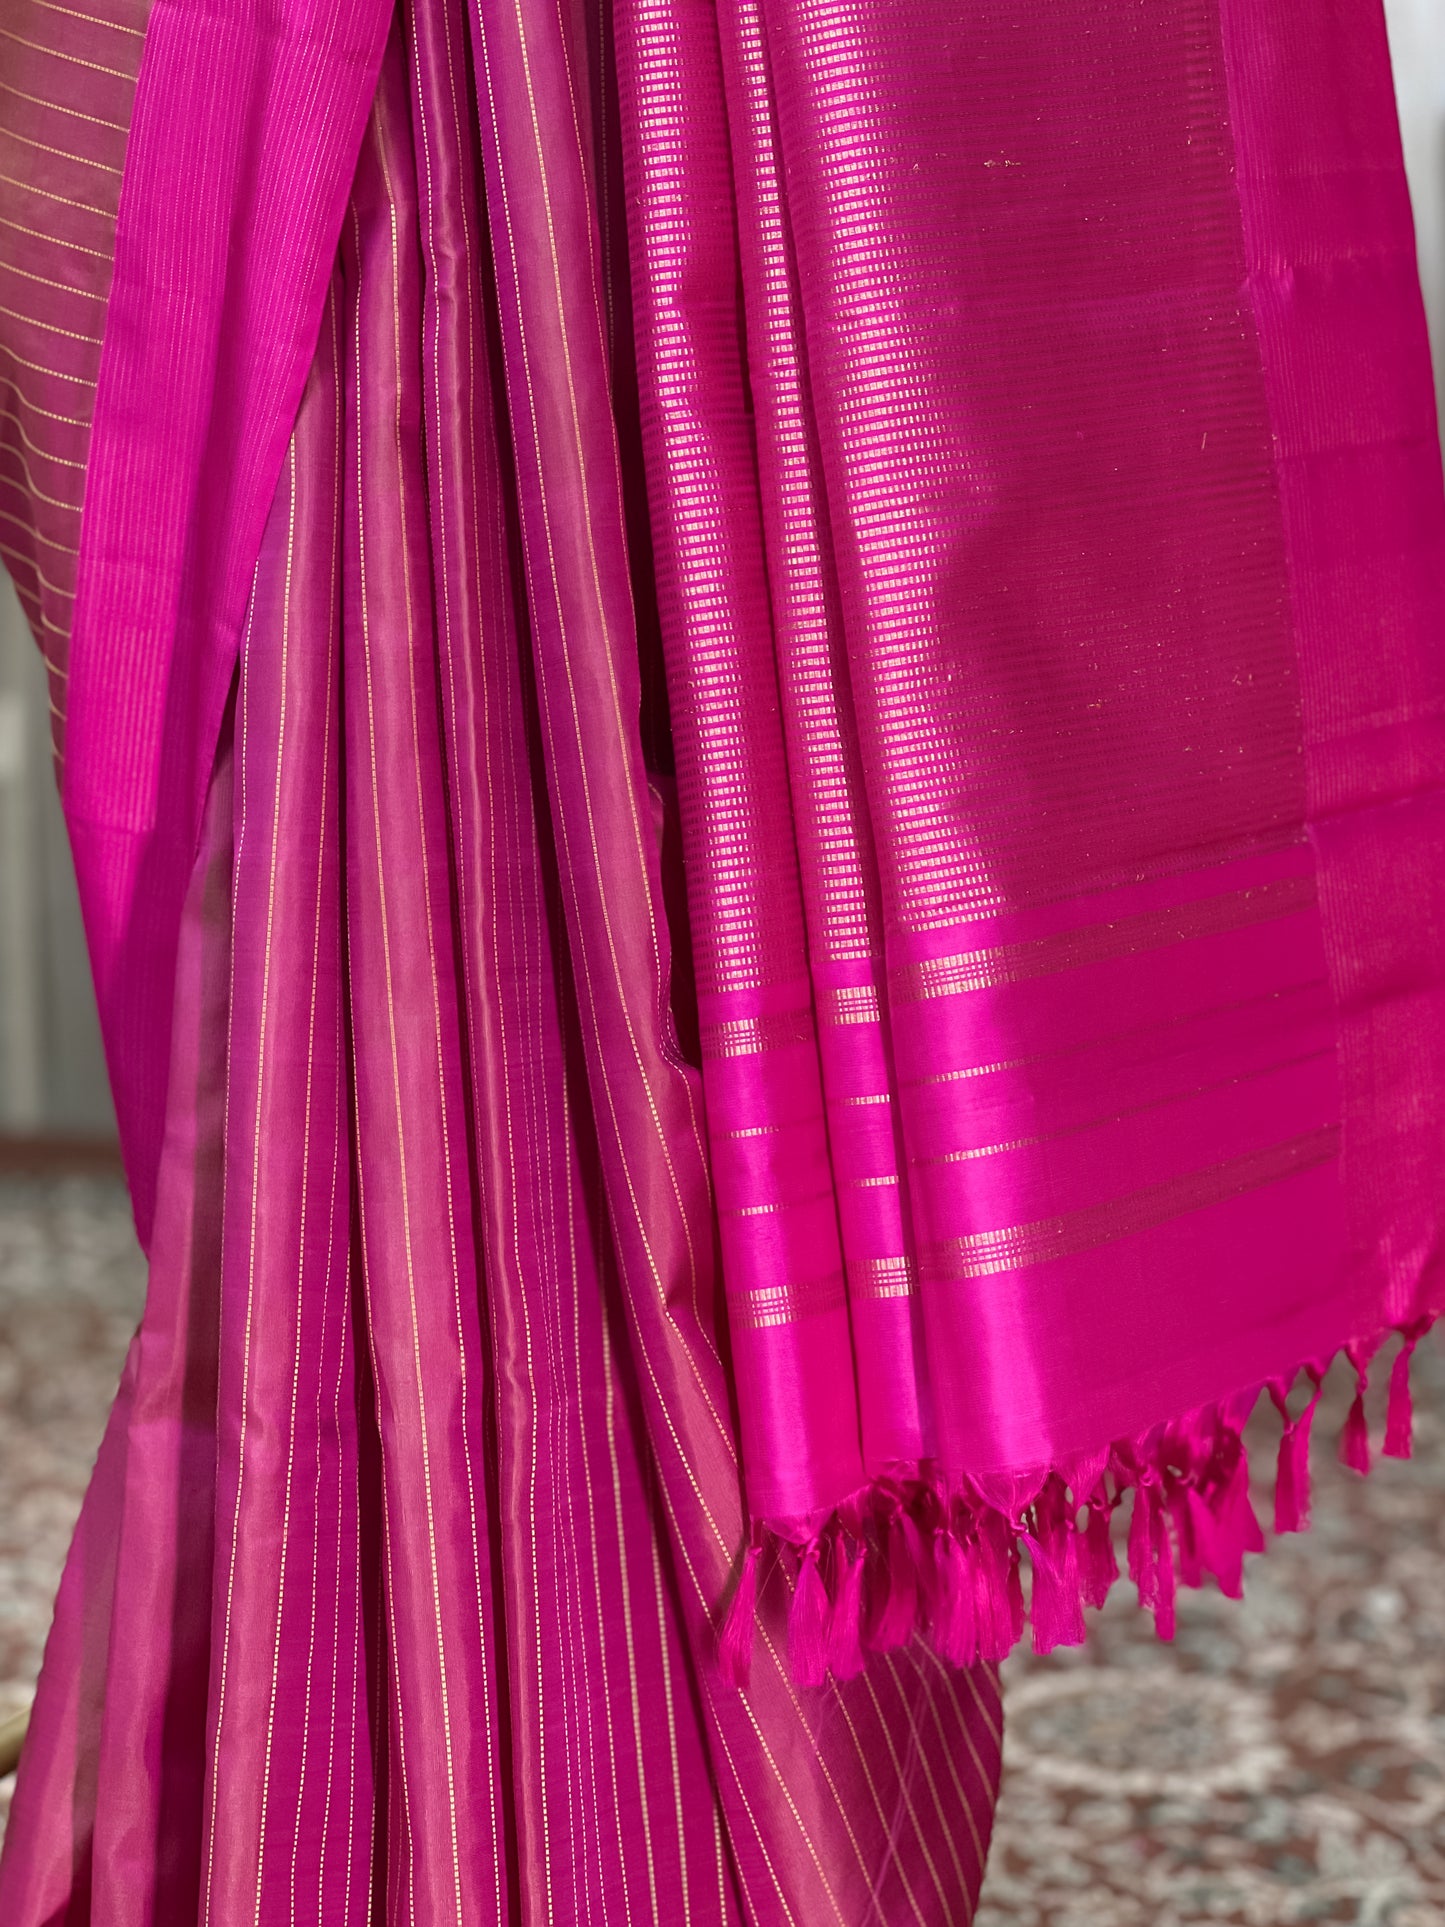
{"points": [[1282, 1762], [71, 1285], [1284, 1759]]}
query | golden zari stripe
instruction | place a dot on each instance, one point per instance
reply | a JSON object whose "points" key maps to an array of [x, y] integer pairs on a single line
{"points": [[747, 1036], [782, 1304], [882, 1278], [1009, 963], [982, 1253], [853, 1004]]}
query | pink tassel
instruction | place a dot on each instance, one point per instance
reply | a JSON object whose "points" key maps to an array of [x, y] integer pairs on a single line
{"points": [[894, 1624], [1292, 1475], [955, 1629], [1097, 1560], [1164, 1582], [1355, 1437], [988, 1610], [1151, 1556], [808, 1622], [1141, 1545], [845, 1627], [735, 1637], [1056, 1608], [1400, 1416], [1235, 1530], [1194, 1531], [998, 1593]]}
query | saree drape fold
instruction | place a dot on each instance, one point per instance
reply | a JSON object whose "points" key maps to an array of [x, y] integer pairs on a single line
{"points": [[750, 706]]}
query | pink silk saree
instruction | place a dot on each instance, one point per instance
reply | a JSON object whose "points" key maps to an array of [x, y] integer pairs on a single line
{"points": [[751, 704]]}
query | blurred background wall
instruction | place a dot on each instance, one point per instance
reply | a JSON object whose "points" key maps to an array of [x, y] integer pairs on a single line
{"points": [[52, 1072], [1417, 46]]}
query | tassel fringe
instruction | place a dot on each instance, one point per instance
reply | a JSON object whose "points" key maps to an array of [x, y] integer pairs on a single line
{"points": [[915, 1555]]}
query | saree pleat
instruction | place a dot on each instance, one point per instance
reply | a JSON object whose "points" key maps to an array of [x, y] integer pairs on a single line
{"points": [[437, 1492], [811, 1806]]}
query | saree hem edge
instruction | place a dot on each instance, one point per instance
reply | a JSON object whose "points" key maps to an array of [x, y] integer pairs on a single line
{"points": [[923, 1552]]}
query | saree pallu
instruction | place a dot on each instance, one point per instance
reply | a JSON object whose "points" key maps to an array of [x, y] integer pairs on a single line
{"points": [[750, 707]]}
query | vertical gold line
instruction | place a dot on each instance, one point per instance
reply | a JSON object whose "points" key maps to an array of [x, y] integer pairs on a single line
{"points": [[338, 1138], [391, 1020], [611, 1419], [602, 1643], [324, 793], [496, 1859], [337, 1128], [356, 1624], [390, 1563], [571, 1446], [717, 1840], [301, 1242], [259, 1107], [659, 1591]]}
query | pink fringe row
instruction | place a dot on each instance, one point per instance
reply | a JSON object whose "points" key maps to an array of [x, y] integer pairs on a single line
{"points": [[913, 1554]]}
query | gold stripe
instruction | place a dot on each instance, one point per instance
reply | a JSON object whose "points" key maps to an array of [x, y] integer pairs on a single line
{"points": [[32, 488], [1184, 1096], [90, 19], [284, 1541], [980, 1254], [779, 1204], [39, 100], [7, 380], [50, 328], [50, 542], [749, 1036], [48, 281], [258, 1100], [464, 989], [61, 153], [767, 1305], [65, 461], [873, 1278], [408, 602], [1009, 963], [679, 1817], [61, 200], [93, 66], [853, 1004], [17, 555], [625, 1589]]}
